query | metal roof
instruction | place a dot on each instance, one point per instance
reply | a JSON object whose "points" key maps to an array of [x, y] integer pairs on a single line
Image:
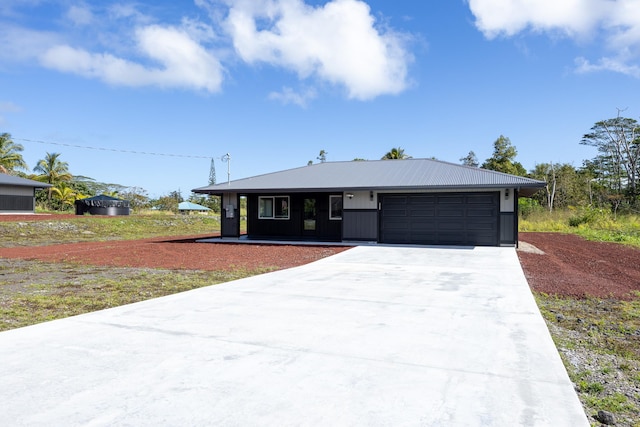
{"points": [[188, 206], [21, 182], [386, 175]]}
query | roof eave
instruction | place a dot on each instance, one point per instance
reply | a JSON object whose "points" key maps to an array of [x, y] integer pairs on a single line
{"points": [[529, 188]]}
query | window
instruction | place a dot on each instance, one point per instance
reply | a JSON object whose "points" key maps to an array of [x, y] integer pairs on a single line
{"points": [[265, 207], [273, 207], [335, 204]]}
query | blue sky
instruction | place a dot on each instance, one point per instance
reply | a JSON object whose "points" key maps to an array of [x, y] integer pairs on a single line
{"points": [[273, 82]]}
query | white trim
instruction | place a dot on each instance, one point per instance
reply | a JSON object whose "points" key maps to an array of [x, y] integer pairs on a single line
{"points": [[331, 217]]}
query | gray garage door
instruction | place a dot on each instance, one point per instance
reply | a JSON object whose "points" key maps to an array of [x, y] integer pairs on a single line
{"points": [[468, 219]]}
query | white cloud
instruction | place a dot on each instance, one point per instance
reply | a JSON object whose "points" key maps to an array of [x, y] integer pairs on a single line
{"points": [[615, 23], [607, 64], [128, 11], [290, 96], [8, 107], [182, 62], [509, 17], [80, 15], [338, 42], [20, 44]]}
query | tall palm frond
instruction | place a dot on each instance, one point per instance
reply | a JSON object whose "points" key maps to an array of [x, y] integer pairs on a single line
{"points": [[52, 171], [10, 157]]}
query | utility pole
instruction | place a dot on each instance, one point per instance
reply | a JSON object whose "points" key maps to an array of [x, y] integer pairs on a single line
{"points": [[227, 158]]}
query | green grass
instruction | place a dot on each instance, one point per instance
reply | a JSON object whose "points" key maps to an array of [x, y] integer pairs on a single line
{"points": [[592, 224], [599, 341], [88, 228], [71, 289]]}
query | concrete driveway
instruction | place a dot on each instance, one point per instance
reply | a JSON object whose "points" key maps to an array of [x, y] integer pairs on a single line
{"points": [[374, 336]]}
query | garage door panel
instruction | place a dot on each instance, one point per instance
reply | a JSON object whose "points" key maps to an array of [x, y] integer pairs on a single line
{"points": [[451, 225], [451, 239], [450, 200], [398, 225], [422, 200], [424, 238], [482, 213], [395, 213], [440, 219], [393, 199], [483, 239], [424, 213], [480, 201], [430, 227], [451, 213]]}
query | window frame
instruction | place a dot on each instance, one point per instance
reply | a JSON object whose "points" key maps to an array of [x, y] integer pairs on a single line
{"points": [[333, 217], [275, 215]]}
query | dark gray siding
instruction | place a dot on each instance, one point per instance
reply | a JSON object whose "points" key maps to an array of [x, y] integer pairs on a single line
{"points": [[17, 203], [360, 224], [508, 228], [440, 218]]}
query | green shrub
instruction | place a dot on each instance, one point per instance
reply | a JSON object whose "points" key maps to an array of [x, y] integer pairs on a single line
{"points": [[587, 216], [528, 206]]}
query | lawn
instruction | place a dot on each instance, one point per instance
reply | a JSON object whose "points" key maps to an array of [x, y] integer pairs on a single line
{"points": [[597, 338]]}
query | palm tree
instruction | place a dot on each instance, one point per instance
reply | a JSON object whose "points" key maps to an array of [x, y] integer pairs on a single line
{"points": [[396, 154], [66, 195], [10, 157], [53, 171]]}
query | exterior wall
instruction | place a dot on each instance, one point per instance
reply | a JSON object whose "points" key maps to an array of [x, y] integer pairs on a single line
{"points": [[507, 200], [17, 199], [293, 227], [360, 216], [230, 215], [360, 200], [508, 217]]}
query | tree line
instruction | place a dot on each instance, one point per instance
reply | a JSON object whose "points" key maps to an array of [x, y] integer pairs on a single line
{"points": [[67, 188], [609, 180]]}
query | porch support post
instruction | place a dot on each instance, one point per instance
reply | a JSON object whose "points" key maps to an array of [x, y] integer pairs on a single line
{"points": [[230, 215]]}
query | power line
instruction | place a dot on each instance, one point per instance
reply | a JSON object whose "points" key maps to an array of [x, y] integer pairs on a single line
{"points": [[118, 150]]}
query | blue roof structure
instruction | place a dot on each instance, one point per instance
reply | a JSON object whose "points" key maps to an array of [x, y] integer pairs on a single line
{"points": [[188, 206]]}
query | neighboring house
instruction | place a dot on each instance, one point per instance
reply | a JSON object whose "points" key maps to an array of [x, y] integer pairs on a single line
{"points": [[413, 201], [18, 195], [186, 207]]}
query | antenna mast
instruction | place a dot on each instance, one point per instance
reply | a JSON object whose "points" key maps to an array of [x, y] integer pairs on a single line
{"points": [[227, 158]]}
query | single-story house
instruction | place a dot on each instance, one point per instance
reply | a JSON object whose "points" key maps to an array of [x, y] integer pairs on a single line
{"points": [[413, 201], [18, 195], [187, 207]]}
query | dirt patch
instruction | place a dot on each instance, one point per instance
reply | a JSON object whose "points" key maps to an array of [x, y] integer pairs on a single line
{"points": [[180, 253], [38, 217], [576, 267], [568, 265]]}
